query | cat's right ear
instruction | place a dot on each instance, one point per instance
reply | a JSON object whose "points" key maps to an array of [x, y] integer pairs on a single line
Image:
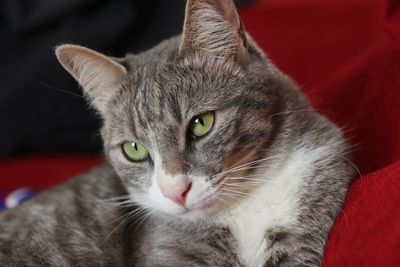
{"points": [[98, 74]]}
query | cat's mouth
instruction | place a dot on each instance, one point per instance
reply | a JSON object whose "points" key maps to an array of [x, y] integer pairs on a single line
{"points": [[204, 198], [199, 211], [204, 206]]}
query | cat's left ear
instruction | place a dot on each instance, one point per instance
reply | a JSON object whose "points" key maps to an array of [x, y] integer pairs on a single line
{"points": [[213, 26], [98, 74]]}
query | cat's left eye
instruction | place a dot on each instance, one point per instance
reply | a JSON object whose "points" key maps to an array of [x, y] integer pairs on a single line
{"points": [[134, 151], [201, 125]]}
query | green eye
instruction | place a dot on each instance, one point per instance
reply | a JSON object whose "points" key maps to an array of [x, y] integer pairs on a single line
{"points": [[134, 151], [201, 124]]}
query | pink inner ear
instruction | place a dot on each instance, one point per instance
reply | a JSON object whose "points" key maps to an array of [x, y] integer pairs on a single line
{"points": [[175, 188]]}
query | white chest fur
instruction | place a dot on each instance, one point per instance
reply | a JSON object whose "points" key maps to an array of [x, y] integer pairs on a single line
{"points": [[274, 204]]}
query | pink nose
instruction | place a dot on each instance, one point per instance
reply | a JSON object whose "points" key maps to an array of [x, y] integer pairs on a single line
{"points": [[176, 188]]}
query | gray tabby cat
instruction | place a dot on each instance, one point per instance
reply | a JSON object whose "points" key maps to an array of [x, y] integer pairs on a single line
{"points": [[216, 159]]}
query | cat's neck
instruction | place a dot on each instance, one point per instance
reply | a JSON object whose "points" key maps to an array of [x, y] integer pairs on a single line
{"points": [[273, 204]]}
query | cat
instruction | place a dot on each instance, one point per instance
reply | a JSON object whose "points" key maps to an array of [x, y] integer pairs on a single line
{"points": [[215, 158]]}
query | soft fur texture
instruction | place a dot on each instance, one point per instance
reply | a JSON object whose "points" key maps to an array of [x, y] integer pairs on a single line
{"points": [[267, 181]]}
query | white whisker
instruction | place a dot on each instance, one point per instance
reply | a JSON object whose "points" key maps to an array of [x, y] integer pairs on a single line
{"points": [[243, 178]]}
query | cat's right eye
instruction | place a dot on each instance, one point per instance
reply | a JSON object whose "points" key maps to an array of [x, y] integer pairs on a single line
{"points": [[134, 151]]}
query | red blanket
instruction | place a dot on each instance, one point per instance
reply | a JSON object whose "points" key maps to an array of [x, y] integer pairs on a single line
{"points": [[345, 54]]}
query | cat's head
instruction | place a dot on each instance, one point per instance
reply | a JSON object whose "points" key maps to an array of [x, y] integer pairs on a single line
{"points": [[186, 123]]}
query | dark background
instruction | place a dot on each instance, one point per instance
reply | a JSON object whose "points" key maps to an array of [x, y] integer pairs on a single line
{"points": [[41, 109]]}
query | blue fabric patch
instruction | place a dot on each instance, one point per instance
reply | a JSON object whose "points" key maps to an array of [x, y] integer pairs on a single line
{"points": [[11, 199]]}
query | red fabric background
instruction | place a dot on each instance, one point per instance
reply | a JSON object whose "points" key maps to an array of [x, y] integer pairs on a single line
{"points": [[345, 54]]}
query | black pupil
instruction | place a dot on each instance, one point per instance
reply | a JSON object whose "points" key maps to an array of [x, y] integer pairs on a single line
{"points": [[135, 146], [200, 120]]}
